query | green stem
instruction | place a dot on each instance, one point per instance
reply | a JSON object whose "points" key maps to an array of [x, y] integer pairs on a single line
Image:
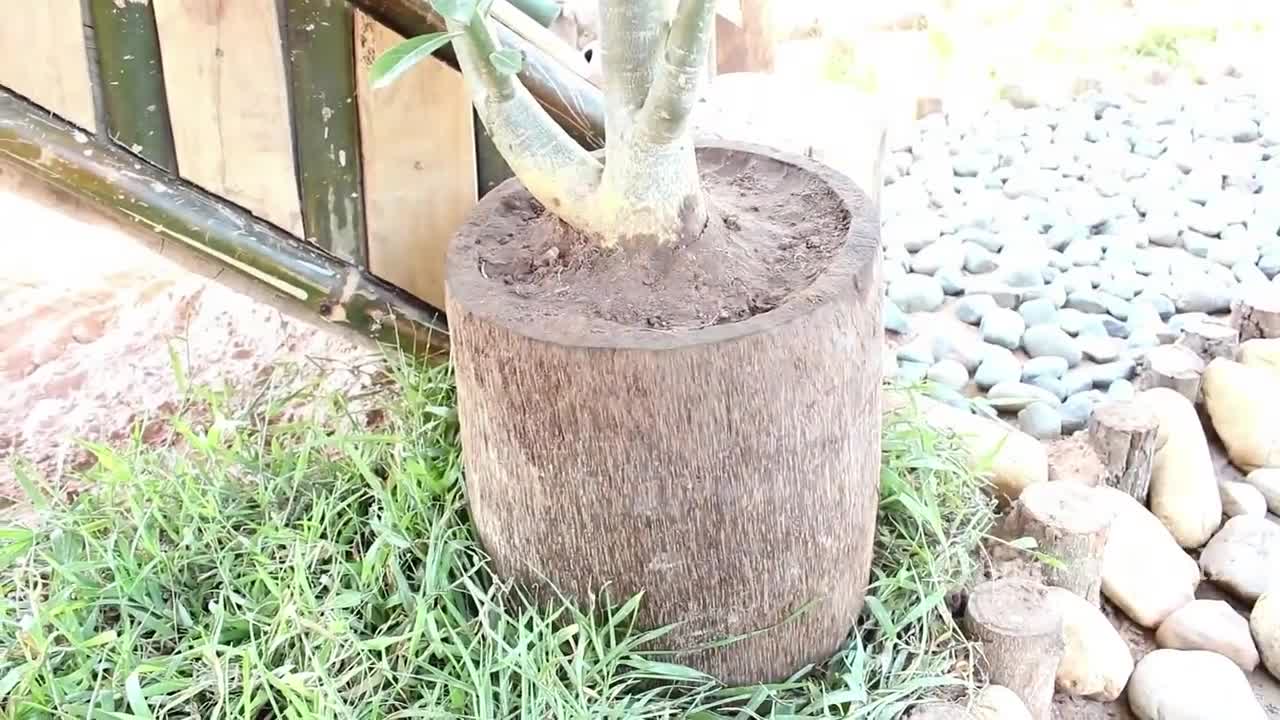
{"points": [[666, 112]]}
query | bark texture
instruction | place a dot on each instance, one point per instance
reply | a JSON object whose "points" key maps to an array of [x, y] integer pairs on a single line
{"points": [[1071, 524], [1257, 315], [1211, 340], [1021, 635], [729, 472], [1172, 366], [1124, 434]]}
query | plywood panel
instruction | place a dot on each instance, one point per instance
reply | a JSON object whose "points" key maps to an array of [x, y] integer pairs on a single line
{"points": [[419, 165], [225, 79], [42, 56]]}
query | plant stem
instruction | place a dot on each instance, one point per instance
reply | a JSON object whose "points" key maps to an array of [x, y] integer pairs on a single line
{"points": [[666, 112], [554, 169], [631, 38]]}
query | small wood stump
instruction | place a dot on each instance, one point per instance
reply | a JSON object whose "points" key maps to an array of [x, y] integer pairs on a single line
{"points": [[1021, 634], [1257, 315], [940, 711], [1071, 524], [1209, 340], [1172, 366], [1124, 434]]}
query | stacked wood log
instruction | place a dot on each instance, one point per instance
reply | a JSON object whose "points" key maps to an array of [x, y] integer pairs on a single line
{"points": [[1124, 435], [1069, 524], [1021, 634]]}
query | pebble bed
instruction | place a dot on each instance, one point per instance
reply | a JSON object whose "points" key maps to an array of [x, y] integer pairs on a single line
{"points": [[1072, 239]]}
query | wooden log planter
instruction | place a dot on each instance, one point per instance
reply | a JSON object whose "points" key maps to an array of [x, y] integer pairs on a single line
{"points": [[546, 479], [245, 136]]}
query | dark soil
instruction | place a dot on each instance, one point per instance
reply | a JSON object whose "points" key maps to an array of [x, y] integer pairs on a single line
{"points": [[773, 228]]}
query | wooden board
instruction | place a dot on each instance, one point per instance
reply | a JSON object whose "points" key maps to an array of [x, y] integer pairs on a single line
{"points": [[43, 56], [225, 79], [419, 165]]}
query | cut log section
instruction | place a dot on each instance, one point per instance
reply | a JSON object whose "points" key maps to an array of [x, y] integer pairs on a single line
{"points": [[940, 711], [1257, 314], [1021, 635], [1124, 434], [1070, 523], [800, 545], [1172, 366], [1209, 340]]}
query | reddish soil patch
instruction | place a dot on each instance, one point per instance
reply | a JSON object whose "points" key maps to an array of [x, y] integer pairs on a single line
{"points": [[89, 318], [772, 228]]}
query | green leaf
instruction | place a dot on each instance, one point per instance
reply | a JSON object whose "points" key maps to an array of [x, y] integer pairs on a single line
{"points": [[457, 10], [664, 671], [1024, 543], [507, 61], [881, 614], [13, 677], [137, 701], [397, 60]]}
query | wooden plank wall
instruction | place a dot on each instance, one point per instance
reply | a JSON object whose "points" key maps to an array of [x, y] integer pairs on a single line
{"points": [[418, 149], [228, 96], [43, 56], [228, 101]]}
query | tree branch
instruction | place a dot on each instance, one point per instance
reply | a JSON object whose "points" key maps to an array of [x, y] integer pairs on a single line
{"points": [[666, 111], [631, 38], [553, 168]]}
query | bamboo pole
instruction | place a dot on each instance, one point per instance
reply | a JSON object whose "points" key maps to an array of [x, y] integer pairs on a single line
{"points": [[128, 57], [261, 258], [577, 105], [320, 50]]}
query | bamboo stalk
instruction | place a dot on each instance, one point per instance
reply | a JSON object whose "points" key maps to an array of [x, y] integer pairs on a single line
{"points": [[263, 259], [491, 168], [543, 12], [320, 46], [132, 82], [577, 105], [532, 29]]}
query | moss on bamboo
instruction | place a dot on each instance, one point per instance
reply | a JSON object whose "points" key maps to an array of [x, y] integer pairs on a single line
{"points": [[320, 47], [132, 81], [269, 262]]}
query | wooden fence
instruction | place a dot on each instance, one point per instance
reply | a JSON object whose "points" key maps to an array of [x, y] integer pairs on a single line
{"points": [[245, 132]]}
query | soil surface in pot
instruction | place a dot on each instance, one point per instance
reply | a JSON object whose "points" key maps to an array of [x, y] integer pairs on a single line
{"points": [[773, 228]]}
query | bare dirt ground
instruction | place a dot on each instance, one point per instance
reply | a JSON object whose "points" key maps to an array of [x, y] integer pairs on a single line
{"points": [[92, 324]]}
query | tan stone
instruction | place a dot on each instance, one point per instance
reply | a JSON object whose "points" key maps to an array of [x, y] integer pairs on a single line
{"points": [[1184, 490], [1243, 403]]}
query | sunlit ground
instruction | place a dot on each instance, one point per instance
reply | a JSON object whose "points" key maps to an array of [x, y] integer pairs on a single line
{"points": [[970, 52]]}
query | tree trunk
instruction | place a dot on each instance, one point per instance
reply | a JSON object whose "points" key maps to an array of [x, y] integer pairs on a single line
{"points": [[1258, 314], [1209, 340], [1172, 366], [1071, 525], [728, 471], [1021, 634], [1124, 434]]}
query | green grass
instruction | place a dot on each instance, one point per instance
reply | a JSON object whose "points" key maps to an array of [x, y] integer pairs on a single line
{"points": [[1169, 44], [278, 567]]}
